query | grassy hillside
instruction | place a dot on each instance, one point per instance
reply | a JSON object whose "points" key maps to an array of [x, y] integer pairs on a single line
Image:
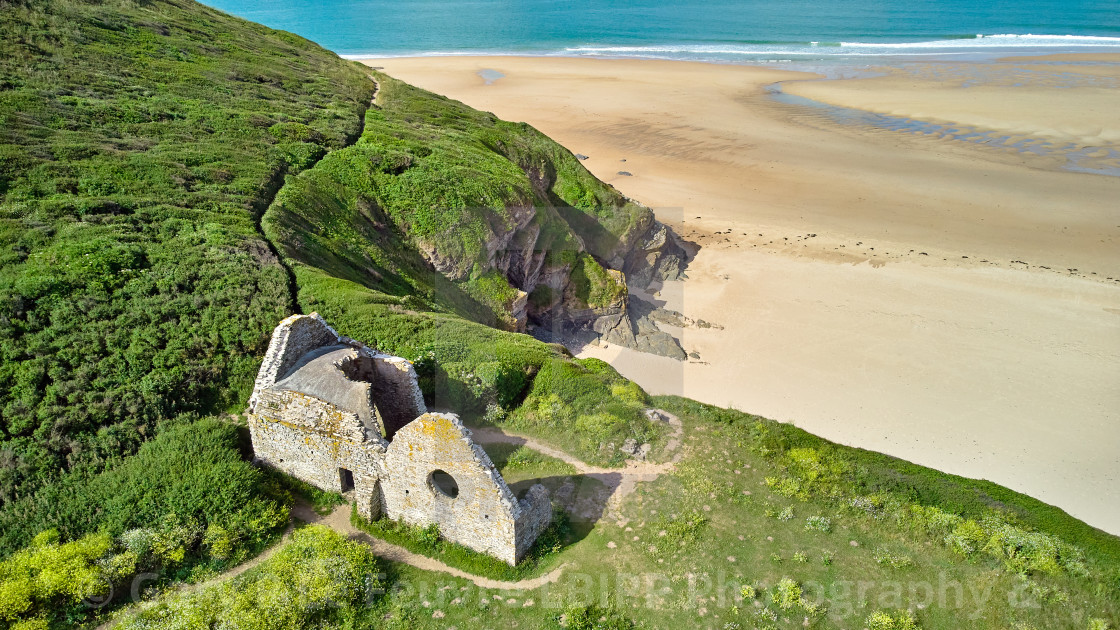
{"points": [[139, 144], [450, 209], [173, 181]]}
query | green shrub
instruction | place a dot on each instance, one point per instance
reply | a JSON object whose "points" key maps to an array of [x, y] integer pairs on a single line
{"points": [[881, 620], [1026, 551], [821, 524], [50, 581], [594, 286], [319, 578], [787, 594], [967, 538], [935, 520], [192, 470], [594, 617], [808, 471], [48, 575]]}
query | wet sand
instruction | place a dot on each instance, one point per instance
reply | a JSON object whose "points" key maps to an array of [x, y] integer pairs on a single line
{"points": [[952, 304], [1063, 102]]}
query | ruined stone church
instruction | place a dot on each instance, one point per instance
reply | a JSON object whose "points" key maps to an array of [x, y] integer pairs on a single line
{"points": [[341, 416]]}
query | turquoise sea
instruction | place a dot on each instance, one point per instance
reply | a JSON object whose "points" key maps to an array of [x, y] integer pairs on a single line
{"points": [[735, 31]]}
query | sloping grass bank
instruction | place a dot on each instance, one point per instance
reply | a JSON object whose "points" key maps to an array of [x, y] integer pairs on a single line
{"points": [[139, 143]]}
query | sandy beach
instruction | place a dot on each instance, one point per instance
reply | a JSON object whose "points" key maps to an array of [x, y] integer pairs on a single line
{"points": [[947, 302]]}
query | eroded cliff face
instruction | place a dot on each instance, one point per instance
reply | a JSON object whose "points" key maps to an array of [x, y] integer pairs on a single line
{"points": [[552, 302], [445, 208]]}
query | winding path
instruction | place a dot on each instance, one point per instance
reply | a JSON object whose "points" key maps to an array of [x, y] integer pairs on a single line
{"points": [[618, 481], [339, 521]]}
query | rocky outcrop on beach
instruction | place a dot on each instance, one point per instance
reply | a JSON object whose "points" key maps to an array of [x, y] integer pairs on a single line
{"points": [[654, 257], [659, 256], [637, 328]]}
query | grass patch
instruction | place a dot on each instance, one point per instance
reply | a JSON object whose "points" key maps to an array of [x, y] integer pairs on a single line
{"points": [[514, 461], [426, 541], [288, 487]]}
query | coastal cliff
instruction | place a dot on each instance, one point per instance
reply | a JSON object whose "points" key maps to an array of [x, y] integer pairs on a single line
{"points": [[520, 235]]}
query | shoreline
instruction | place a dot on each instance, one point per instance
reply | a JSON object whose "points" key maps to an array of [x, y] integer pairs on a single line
{"points": [[957, 306], [978, 54]]}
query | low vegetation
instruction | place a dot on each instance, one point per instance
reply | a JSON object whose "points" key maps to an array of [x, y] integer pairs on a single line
{"points": [[187, 505], [427, 541], [589, 396], [595, 287], [192, 472], [319, 579], [139, 143]]}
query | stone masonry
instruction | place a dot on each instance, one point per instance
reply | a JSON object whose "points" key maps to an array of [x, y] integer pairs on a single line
{"points": [[333, 412]]}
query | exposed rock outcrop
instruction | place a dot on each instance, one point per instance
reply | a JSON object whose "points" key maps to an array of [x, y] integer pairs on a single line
{"points": [[658, 256], [638, 329], [538, 248]]}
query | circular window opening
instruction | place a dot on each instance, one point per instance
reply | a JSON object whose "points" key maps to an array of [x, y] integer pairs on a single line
{"points": [[444, 484]]}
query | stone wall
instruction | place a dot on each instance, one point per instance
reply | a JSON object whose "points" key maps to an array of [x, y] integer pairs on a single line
{"points": [[396, 392], [313, 440], [291, 340], [536, 516], [484, 514]]}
